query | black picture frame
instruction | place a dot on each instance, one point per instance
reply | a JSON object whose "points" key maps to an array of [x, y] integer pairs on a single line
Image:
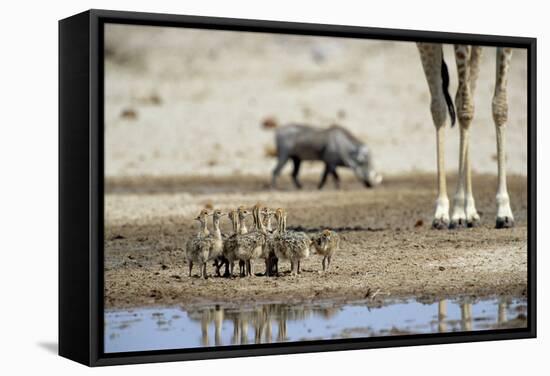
{"points": [[81, 186]]}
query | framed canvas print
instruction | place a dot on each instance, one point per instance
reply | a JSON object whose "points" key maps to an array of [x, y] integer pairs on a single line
{"points": [[236, 187]]}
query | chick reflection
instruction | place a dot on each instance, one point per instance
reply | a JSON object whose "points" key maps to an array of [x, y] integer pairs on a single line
{"points": [[207, 316], [259, 321]]}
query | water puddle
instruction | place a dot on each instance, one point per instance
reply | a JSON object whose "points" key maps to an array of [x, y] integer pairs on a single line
{"points": [[165, 328]]}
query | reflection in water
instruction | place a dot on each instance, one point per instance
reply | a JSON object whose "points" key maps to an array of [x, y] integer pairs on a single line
{"points": [[259, 320], [175, 327], [502, 311], [442, 315], [466, 316]]}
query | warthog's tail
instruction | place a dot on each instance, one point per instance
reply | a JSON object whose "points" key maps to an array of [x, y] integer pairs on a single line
{"points": [[269, 123], [445, 84]]}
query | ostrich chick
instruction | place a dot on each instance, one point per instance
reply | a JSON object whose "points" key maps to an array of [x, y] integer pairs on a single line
{"points": [[230, 244], [268, 252], [290, 245], [203, 248], [192, 243], [250, 245], [326, 244]]}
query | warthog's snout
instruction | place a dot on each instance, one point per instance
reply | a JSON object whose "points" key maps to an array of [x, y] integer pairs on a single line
{"points": [[373, 179]]}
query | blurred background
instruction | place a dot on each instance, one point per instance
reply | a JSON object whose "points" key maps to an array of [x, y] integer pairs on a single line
{"points": [[190, 102]]}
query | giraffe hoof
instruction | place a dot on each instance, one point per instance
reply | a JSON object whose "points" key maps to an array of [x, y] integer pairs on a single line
{"points": [[504, 222], [457, 223], [440, 224], [473, 223]]}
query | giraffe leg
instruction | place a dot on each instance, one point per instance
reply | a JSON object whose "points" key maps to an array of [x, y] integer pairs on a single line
{"points": [[431, 56], [441, 216], [458, 217], [505, 217], [465, 112], [472, 216]]}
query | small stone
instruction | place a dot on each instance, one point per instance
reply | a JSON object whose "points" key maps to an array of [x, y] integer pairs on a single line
{"points": [[128, 113]]}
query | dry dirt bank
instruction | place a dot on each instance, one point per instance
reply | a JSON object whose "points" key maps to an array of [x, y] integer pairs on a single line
{"points": [[388, 246]]}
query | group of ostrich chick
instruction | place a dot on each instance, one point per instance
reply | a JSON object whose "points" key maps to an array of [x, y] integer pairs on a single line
{"points": [[260, 243]]}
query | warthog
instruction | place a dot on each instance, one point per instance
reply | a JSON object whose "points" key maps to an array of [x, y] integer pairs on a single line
{"points": [[335, 146]]}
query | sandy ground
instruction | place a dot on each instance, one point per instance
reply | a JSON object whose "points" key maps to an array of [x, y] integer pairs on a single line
{"points": [[182, 101], [388, 247]]}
